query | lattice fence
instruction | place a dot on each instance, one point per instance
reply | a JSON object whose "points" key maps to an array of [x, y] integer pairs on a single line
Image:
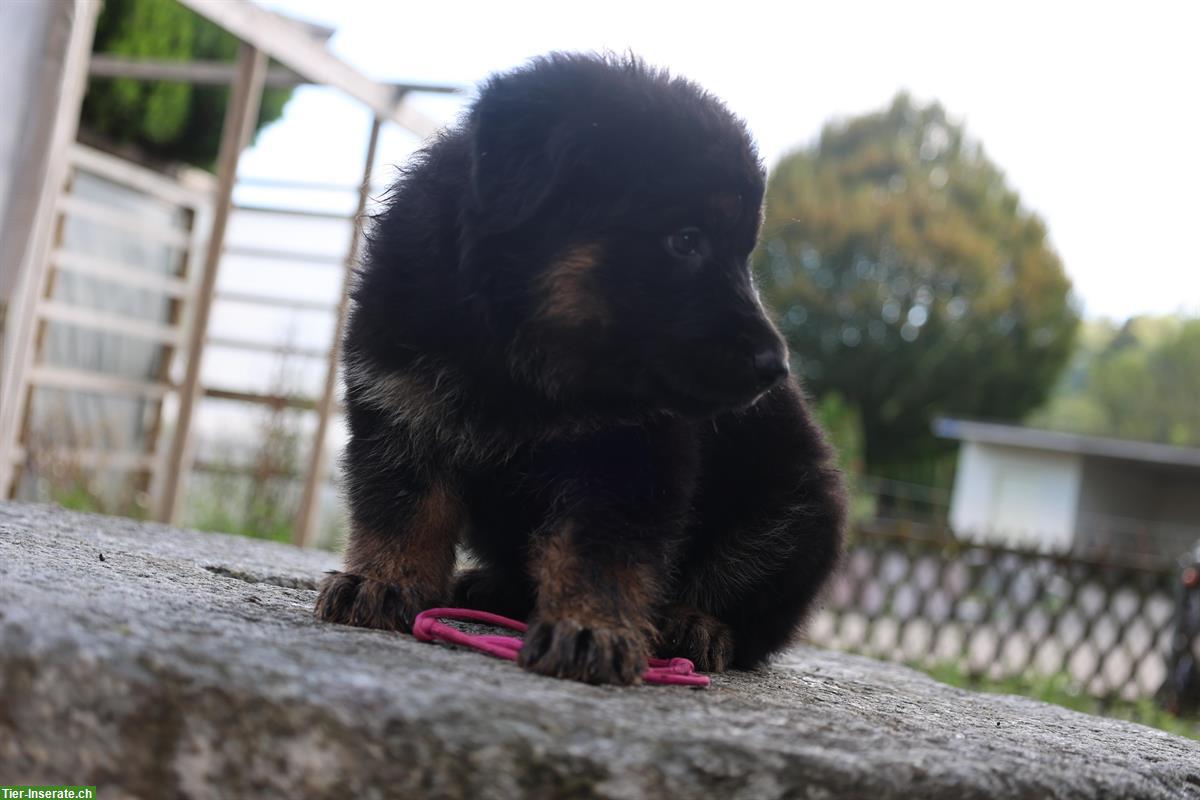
{"points": [[997, 613]]}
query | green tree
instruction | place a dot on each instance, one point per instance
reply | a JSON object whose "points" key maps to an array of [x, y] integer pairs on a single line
{"points": [[167, 120], [1136, 381], [908, 279]]}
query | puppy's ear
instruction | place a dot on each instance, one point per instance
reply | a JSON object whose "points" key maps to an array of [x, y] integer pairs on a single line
{"points": [[519, 153]]}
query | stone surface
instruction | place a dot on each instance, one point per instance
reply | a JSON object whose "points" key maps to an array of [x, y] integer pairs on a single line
{"points": [[189, 664]]}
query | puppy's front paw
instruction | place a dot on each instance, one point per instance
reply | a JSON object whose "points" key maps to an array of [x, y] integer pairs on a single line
{"points": [[695, 635], [566, 649], [364, 602]]}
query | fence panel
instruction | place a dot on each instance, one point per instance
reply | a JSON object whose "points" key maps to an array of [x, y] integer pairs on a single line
{"points": [[999, 612]]}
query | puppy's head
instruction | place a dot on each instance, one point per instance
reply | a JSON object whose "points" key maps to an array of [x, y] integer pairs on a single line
{"points": [[612, 213]]}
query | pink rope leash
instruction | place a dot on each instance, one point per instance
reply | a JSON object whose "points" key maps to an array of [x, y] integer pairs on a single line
{"points": [[427, 627]]}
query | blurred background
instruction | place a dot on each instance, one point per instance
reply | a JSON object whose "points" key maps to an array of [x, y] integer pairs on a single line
{"points": [[980, 242]]}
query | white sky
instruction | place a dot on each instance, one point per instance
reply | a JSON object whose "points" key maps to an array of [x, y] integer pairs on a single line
{"points": [[1091, 108]]}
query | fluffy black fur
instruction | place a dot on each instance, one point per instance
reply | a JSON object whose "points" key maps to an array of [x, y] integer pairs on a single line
{"points": [[556, 358]]}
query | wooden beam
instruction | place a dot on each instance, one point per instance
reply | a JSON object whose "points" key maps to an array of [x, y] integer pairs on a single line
{"points": [[193, 261], [135, 226], [299, 185], [241, 116], [88, 458], [244, 470], [287, 42], [293, 212], [78, 380], [109, 322], [275, 254], [114, 272], [196, 73], [276, 401], [221, 73], [267, 347], [310, 499], [16, 360], [272, 301], [125, 173]]}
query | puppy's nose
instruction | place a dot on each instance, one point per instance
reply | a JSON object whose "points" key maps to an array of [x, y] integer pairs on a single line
{"points": [[770, 365]]}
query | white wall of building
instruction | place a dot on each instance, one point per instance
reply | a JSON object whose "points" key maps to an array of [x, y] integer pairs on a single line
{"points": [[1015, 496]]}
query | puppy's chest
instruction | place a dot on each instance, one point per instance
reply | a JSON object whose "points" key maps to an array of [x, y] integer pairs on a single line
{"points": [[622, 465]]}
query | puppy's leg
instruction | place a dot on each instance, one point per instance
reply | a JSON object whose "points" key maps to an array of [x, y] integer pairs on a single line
{"points": [[747, 597], [684, 630], [594, 603], [770, 515], [400, 556], [494, 589]]}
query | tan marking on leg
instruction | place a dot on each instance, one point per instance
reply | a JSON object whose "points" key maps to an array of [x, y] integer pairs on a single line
{"points": [[569, 587], [422, 554], [593, 618]]}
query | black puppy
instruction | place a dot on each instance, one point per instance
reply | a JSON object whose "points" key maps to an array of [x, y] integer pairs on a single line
{"points": [[557, 359]]}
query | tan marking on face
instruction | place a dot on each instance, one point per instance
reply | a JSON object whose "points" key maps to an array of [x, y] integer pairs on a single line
{"points": [[420, 552], [571, 292], [727, 207]]}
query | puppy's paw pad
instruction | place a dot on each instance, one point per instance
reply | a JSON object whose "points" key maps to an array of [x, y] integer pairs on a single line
{"points": [[695, 635], [350, 599], [566, 649]]}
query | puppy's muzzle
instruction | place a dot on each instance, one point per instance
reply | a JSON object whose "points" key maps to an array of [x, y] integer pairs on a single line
{"points": [[770, 367]]}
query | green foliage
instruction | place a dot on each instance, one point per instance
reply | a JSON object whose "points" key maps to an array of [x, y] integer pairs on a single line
{"points": [[841, 423], [909, 280], [1136, 381], [258, 501], [77, 493], [167, 120], [61, 478], [249, 490], [1060, 690]]}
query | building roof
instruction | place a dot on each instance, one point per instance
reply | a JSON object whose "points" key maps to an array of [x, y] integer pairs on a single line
{"points": [[1035, 439]]}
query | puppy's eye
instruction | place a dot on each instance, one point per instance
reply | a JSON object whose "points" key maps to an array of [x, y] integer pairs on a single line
{"points": [[685, 243]]}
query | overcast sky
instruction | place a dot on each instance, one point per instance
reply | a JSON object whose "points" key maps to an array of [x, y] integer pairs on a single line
{"points": [[1090, 108]]}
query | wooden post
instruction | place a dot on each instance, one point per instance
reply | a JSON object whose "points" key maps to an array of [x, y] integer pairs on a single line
{"points": [[16, 358], [293, 46], [310, 500], [241, 118]]}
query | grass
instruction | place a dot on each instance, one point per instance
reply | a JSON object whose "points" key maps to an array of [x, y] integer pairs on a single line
{"points": [[250, 492], [260, 499], [1060, 690]]}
